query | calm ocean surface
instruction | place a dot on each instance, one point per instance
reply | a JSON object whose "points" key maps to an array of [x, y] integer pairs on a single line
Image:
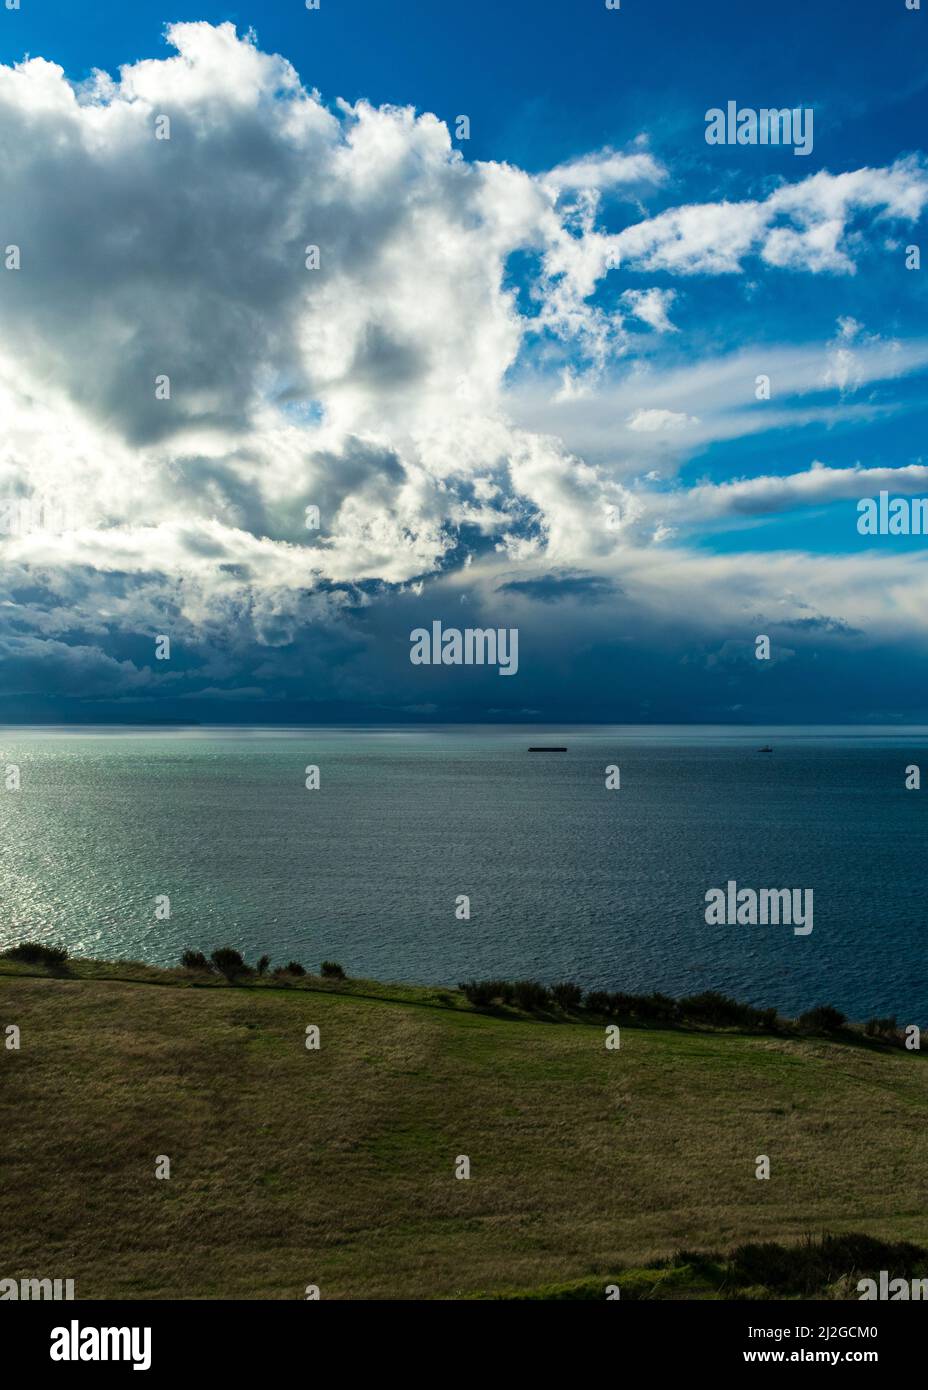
{"points": [[566, 880]]}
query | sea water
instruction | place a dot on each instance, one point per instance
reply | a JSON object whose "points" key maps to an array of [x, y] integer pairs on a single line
{"points": [[566, 878]]}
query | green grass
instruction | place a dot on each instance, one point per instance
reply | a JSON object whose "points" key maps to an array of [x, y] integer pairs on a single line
{"points": [[335, 1167]]}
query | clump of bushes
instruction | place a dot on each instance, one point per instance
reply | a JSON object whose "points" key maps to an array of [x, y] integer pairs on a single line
{"points": [[822, 1019], [709, 1009], [530, 995], [34, 953], [822, 1260], [481, 993], [292, 970], [226, 961], [769, 1265], [823, 1267], [645, 1008], [504, 990], [521, 994], [882, 1027], [567, 995], [654, 1008], [194, 960], [722, 1012]]}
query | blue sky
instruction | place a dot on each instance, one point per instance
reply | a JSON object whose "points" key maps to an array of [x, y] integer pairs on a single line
{"points": [[545, 80], [586, 458]]}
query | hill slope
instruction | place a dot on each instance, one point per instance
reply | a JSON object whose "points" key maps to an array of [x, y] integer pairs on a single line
{"points": [[336, 1167]]}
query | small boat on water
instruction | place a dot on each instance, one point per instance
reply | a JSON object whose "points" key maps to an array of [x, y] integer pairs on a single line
{"points": [[547, 749], [766, 749]]}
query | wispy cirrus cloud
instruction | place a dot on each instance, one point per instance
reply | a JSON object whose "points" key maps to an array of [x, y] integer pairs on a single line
{"points": [[800, 226]]}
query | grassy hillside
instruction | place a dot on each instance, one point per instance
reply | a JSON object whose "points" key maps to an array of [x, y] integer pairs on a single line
{"points": [[336, 1167]]}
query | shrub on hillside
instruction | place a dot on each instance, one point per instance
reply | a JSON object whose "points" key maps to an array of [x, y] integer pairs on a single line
{"points": [[567, 995], [480, 993], [717, 1009], [262, 966], [622, 1005], [882, 1027], [823, 1019], [656, 1008], [868, 1254], [709, 1009], [34, 953], [821, 1260], [228, 962], [771, 1266], [522, 994], [331, 970], [530, 995], [293, 967], [194, 960]]}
